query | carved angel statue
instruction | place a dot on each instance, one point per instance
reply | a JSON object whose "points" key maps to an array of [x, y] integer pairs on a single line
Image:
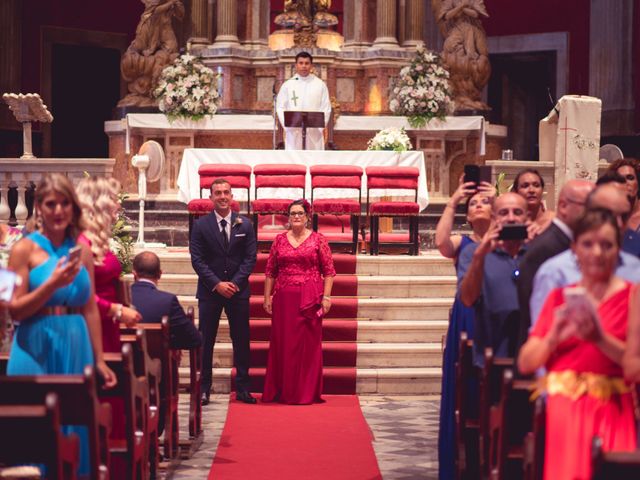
{"points": [[465, 49], [154, 47], [304, 13]]}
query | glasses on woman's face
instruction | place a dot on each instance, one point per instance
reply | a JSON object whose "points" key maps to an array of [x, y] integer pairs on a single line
{"points": [[297, 214]]}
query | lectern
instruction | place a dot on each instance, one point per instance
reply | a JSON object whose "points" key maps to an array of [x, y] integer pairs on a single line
{"points": [[304, 120]]}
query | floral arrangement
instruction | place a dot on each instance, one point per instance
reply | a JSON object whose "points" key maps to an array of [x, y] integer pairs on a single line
{"points": [[187, 89], [422, 91], [392, 138]]}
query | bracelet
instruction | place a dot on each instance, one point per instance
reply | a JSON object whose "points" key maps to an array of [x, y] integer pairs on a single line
{"points": [[326, 296], [118, 314]]}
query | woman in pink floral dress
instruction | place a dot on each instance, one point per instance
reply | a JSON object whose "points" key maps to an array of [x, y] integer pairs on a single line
{"points": [[300, 267]]}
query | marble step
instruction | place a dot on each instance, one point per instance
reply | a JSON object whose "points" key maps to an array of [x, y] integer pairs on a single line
{"points": [[387, 309], [177, 260], [369, 355], [380, 331], [396, 381], [368, 286]]}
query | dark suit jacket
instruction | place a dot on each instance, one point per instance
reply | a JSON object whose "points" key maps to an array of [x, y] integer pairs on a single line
{"points": [[546, 245], [214, 264], [153, 304]]}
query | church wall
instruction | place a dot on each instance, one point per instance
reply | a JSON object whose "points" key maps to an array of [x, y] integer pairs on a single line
{"points": [[508, 17]]}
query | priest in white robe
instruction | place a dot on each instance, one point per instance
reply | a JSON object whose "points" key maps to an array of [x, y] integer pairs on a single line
{"points": [[307, 93]]}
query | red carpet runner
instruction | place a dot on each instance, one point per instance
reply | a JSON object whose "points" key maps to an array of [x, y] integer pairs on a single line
{"points": [[271, 441], [339, 329]]}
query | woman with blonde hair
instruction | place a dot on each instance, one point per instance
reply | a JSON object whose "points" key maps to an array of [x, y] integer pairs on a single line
{"points": [[59, 330], [99, 200]]}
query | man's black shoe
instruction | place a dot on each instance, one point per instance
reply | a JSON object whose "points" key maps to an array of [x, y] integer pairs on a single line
{"points": [[205, 399], [245, 397]]}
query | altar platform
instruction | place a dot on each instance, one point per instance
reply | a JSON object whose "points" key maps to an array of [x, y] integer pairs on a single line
{"points": [[446, 145]]}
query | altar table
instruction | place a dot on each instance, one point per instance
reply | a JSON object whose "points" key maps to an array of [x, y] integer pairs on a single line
{"points": [[188, 182]]}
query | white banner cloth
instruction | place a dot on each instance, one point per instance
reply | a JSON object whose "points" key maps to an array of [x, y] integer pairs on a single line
{"points": [[189, 180]]}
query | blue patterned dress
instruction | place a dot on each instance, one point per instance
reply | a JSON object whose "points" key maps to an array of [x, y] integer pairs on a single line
{"points": [[55, 344], [461, 321]]}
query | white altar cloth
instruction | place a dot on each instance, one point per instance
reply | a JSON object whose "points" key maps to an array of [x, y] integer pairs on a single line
{"points": [[348, 123], [189, 181]]}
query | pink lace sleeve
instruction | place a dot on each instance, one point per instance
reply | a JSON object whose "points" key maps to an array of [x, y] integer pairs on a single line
{"points": [[326, 259], [271, 270]]}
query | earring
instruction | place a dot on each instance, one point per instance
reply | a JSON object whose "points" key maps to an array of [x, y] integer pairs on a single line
{"points": [[38, 221]]}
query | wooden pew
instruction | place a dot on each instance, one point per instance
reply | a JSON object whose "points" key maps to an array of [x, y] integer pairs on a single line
{"points": [[614, 465], [31, 434], [79, 405], [467, 426], [490, 388], [510, 421], [4, 359], [534, 442], [151, 369], [158, 347], [133, 389], [190, 445]]}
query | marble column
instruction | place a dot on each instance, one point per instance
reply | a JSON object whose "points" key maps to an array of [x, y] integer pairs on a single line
{"points": [[10, 55], [257, 20], [199, 23], [386, 24], [414, 23], [227, 24], [356, 15], [611, 63]]}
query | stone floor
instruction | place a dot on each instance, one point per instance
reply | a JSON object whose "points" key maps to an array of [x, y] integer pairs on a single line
{"points": [[405, 430]]}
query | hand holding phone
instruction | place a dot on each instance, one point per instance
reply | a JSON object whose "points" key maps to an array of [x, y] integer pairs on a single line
{"points": [[8, 282], [74, 254], [582, 312]]}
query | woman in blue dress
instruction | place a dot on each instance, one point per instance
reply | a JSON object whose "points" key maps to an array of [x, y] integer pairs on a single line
{"points": [[59, 325], [479, 217]]}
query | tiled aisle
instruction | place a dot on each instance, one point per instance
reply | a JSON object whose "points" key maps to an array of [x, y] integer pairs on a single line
{"points": [[405, 430]]}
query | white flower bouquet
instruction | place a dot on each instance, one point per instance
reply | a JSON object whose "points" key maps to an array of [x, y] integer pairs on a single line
{"points": [[395, 139], [187, 89], [422, 90]]}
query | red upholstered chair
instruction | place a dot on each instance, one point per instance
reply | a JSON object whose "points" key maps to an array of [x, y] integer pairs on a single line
{"points": [[405, 178], [338, 176], [238, 176], [275, 175]]}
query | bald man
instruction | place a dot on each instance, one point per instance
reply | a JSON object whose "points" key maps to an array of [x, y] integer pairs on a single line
{"points": [[563, 270], [552, 241], [486, 274]]}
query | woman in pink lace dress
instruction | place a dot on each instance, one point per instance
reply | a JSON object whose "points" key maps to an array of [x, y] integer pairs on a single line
{"points": [[300, 267]]}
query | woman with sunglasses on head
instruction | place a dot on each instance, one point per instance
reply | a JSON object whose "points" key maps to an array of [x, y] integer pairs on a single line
{"points": [[479, 202], [629, 170], [299, 274], [580, 339], [59, 330]]}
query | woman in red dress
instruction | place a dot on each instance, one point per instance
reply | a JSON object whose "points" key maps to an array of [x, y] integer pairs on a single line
{"points": [[580, 339], [300, 267]]}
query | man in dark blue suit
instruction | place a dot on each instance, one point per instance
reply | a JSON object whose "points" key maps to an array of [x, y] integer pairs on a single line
{"points": [[223, 254], [153, 304]]}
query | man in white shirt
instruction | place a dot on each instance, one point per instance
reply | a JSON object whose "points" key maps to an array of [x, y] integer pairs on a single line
{"points": [[303, 92]]}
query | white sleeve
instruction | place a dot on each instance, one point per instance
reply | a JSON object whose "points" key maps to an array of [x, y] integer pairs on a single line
{"points": [[281, 103], [325, 103]]}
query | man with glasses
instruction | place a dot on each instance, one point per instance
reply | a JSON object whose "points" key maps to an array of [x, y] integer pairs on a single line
{"points": [[553, 240], [563, 269], [487, 275]]}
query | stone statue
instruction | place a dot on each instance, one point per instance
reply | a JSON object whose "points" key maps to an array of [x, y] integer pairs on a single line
{"points": [[305, 17], [465, 50], [154, 47]]}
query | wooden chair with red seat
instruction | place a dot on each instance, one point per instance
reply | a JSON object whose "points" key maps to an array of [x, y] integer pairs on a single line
{"points": [[238, 176], [393, 178], [276, 175], [338, 176]]}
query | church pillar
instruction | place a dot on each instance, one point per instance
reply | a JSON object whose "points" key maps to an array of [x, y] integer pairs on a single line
{"points": [[355, 17], [414, 22], [227, 24], [611, 63], [257, 19], [199, 17], [10, 55], [386, 24]]}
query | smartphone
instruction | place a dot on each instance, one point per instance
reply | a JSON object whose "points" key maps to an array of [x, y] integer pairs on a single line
{"points": [[576, 297], [477, 173], [74, 253], [8, 282], [513, 231]]}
